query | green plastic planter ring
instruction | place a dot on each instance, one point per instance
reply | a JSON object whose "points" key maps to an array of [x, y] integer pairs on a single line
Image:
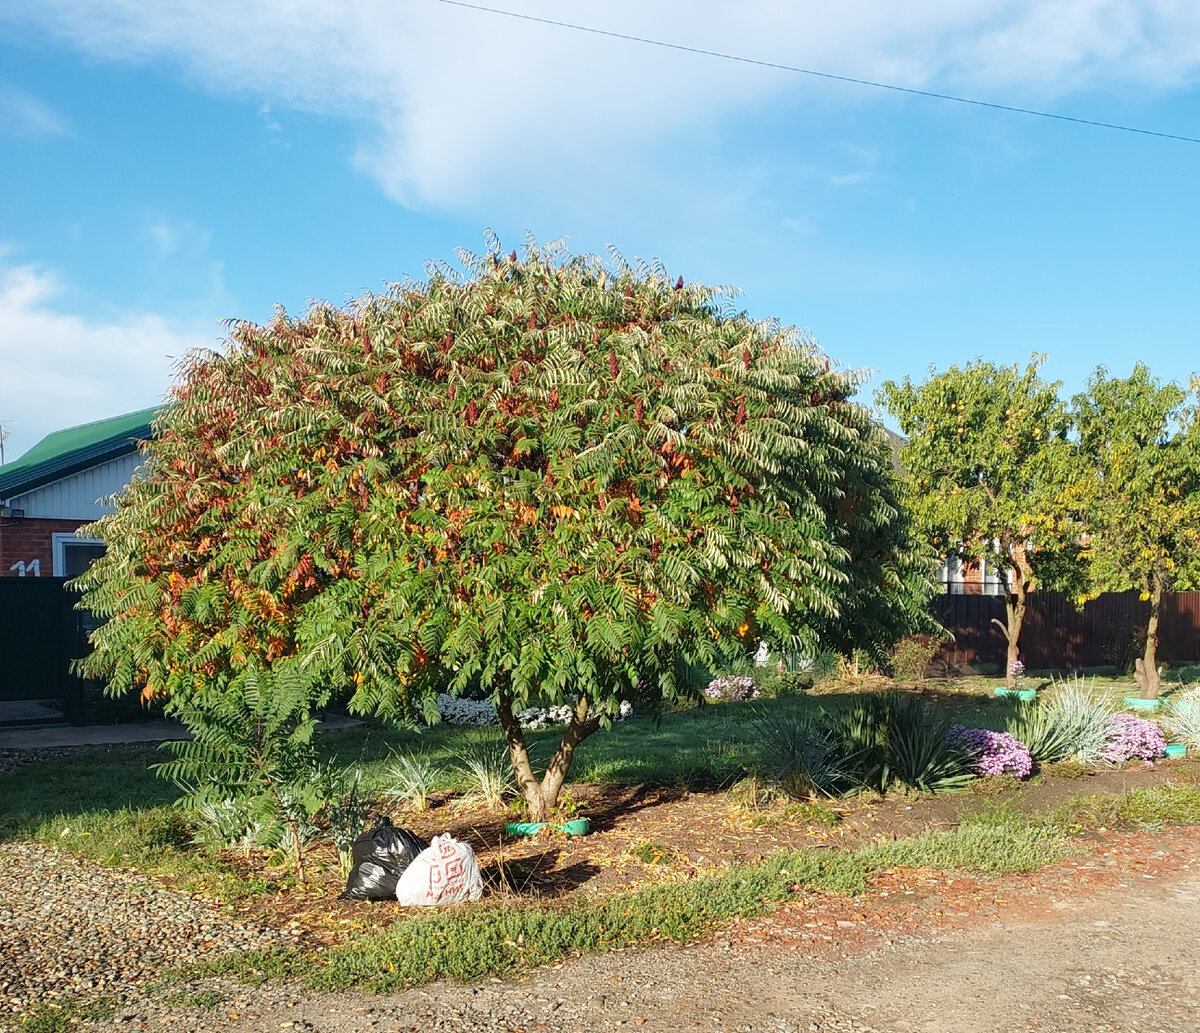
{"points": [[1137, 703], [1177, 750], [1022, 694], [576, 827]]}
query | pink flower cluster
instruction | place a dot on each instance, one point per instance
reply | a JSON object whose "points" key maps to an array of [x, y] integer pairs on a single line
{"points": [[993, 753], [1130, 737]]}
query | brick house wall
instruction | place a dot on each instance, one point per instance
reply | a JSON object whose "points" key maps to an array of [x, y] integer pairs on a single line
{"points": [[27, 545]]}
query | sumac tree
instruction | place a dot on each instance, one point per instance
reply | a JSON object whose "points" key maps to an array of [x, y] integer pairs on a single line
{"points": [[549, 477]]}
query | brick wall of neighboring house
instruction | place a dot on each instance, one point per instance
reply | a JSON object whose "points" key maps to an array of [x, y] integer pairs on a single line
{"points": [[27, 544]]}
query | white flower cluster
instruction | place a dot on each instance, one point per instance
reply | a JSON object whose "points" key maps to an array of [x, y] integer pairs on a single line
{"points": [[455, 711], [543, 717]]}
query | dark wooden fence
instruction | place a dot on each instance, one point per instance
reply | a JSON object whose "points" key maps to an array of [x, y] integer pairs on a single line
{"points": [[40, 634], [1059, 635]]}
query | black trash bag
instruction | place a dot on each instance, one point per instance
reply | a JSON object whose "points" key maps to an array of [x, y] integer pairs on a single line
{"points": [[380, 855]]}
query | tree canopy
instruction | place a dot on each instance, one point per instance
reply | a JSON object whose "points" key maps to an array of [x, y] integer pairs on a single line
{"points": [[547, 477], [1139, 444], [986, 464]]}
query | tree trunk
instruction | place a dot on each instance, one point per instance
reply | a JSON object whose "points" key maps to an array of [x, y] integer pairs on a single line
{"points": [[542, 797], [518, 752], [1146, 671], [1014, 612]]}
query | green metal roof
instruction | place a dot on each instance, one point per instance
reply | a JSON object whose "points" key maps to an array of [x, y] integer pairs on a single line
{"points": [[68, 451]]}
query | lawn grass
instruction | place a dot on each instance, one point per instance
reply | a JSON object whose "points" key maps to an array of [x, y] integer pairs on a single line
{"points": [[706, 746], [110, 807]]}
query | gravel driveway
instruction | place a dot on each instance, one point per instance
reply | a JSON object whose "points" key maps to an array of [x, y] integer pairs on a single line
{"points": [[72, 930]]}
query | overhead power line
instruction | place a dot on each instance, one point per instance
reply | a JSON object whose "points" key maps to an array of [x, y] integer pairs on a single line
{"points": [[812, 72]]}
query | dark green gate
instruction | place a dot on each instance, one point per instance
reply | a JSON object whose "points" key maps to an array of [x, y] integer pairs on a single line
{"points": [[40, 634]]}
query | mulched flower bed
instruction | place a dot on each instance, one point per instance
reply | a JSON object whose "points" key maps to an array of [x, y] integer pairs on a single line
{"points": [[646, 835]]}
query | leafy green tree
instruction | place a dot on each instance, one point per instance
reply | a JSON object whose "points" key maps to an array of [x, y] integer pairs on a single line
{"points": [[984, 474], [551, 478], [1139, 441]]}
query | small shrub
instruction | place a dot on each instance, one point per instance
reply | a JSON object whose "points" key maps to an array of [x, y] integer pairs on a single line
{"points": [[1132, 738], [731, 688], [247, 770], [774, 682], [857, 667], [346, 811], [462, 710], [912, 656], [412, 777], [993, 753]]}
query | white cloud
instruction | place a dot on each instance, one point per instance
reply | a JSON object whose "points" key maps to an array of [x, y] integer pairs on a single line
{"points": [[23, 114], [461, 103], [270, 123], [171, 237], [62, 368]]}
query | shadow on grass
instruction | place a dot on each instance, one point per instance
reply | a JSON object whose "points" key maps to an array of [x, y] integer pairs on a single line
{"points": [[91, 782]]}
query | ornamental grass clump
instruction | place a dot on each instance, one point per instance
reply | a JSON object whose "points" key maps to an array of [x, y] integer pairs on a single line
{"points": [[412, 777], [803, 757], [1183, 718], [1132, 738], [1037, 725], [486, 767], [993, 753], [897, 740], [1083, 715], [731, 688]]}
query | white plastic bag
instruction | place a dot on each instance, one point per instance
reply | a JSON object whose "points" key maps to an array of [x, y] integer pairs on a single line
{"points": [[445, 873]]}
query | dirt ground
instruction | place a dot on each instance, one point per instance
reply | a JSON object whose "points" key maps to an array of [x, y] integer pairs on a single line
{"points": [[643, 835], [1104, 943]]}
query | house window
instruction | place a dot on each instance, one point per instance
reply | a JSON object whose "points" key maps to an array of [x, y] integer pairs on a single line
{"points": [[72, 556]]}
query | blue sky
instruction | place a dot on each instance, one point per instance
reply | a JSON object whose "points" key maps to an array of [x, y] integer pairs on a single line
{"points": [[167, 165]]}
